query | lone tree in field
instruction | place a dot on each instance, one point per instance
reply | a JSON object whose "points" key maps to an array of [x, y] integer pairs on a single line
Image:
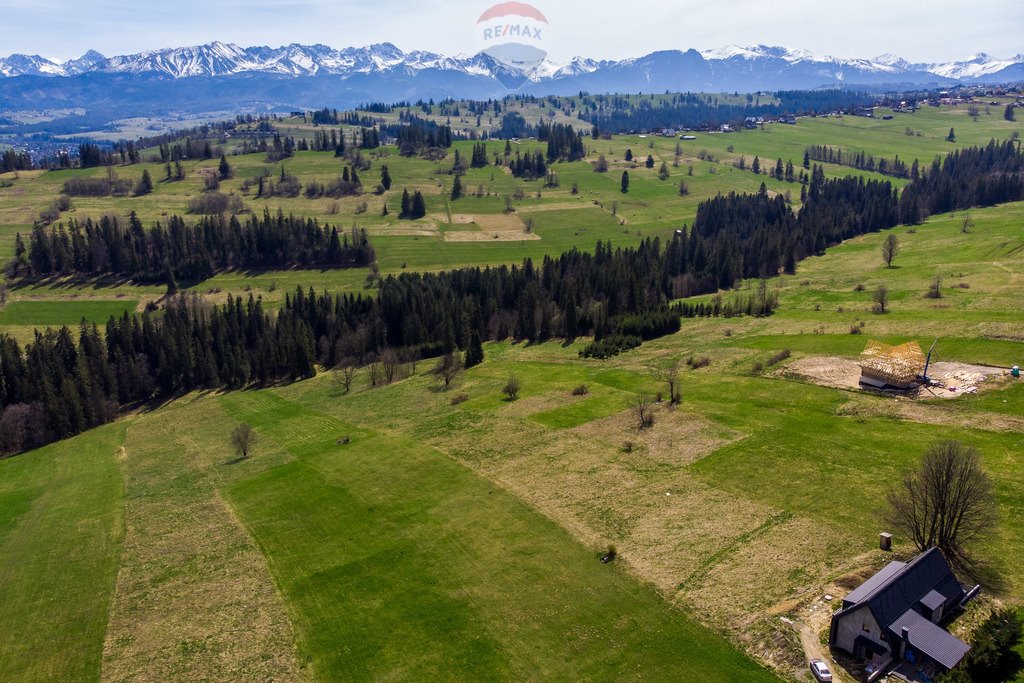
{"points": [[1008, 113], [145, 185], [642, 407], [625, 182], [448, 368], [346, 373], [952, 135], [225, 168], [947, 502], [670, 376], [511, 388], [890, 249], [650, 161], [243, 439], [881, 298]]}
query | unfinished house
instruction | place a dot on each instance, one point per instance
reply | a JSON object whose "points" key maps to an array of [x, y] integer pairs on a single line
{"points": [[893, 621], [892, 367]]}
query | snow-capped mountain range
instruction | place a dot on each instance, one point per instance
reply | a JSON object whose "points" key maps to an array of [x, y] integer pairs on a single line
{"points": [[225, 59], [221, 77]]}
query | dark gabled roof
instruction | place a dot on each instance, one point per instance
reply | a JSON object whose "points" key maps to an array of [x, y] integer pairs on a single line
{"points": [[934, 641], [903, 588], [879, 579]]}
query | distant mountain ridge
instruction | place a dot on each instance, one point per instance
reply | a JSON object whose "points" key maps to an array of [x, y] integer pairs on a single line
{"points": [[224, 59], [222, 77]]}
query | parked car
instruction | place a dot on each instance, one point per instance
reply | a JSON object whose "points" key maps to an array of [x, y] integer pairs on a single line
{"points": [[820, 671]]}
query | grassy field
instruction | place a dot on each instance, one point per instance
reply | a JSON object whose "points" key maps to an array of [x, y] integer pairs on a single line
{"points": [[461, 539], [61, 528]]}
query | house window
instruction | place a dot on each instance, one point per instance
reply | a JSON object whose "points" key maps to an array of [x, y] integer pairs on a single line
{"points": [[865, 628]]}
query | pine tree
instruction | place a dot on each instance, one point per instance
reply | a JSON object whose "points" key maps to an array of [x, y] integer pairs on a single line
{"points": [[419, 205], [952, 135], [475, 351], [145, 185], [457, 188], [224, 168], [385, 178], [629, 155], [406, 205], [1008, 113], [625, 182], [650, 161]]}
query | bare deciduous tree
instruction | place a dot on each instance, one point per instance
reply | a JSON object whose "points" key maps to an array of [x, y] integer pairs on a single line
{"points": [[947, 502], [448, 368], [346, 373], [391, 365], [890, 249], [670, 376], [243, 438], [881, 298], [374, 375], [642, 405]]}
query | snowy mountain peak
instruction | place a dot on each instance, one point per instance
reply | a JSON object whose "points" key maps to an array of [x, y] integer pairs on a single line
{"points": [[217, 59]]}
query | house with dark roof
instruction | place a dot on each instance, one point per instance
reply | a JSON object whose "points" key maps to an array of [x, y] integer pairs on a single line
{"points": [[895, 617]]}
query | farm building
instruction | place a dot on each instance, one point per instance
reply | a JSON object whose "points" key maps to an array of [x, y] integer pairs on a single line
{"points": [[893, 621], [893, 367]]}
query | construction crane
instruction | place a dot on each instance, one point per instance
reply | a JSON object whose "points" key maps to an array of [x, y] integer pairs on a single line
{"points": [[928, 360]]}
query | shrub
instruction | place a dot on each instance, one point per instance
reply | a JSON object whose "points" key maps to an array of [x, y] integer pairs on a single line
{"points": [[777, 358], [98, 187], [698, 363], [460, 398], [216, 202], [581, 390], [511, 388]]}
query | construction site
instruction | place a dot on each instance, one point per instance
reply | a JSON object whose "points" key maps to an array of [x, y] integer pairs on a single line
{"points": [[903, 369]]}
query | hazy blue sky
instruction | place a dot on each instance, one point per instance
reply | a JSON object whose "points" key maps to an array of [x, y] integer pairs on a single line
{"points": [[920, 30]]}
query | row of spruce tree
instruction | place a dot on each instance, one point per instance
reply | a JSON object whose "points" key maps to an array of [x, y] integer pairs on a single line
{"points": [[111, 246]]}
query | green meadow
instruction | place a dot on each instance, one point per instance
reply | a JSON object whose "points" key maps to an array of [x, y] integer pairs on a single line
{"points": [[395, 533]]}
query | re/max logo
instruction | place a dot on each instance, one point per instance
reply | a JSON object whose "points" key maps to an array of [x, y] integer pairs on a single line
{"points": [[509, 30]]}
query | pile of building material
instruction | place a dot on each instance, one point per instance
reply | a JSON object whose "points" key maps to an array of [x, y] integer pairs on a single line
{"points": [[892, 367]]}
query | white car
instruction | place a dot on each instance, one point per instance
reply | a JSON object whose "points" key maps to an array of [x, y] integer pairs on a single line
{"points": [[820, 671]]}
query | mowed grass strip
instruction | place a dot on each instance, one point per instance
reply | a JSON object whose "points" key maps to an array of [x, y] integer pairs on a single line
{"points": [[399, 563], [61, 517], [56, 313], [194, 599]]}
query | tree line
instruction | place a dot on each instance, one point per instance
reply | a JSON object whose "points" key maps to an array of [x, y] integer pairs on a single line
{"points": [[57, 387], [184, 251], [862, 161], [974, 176]]}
